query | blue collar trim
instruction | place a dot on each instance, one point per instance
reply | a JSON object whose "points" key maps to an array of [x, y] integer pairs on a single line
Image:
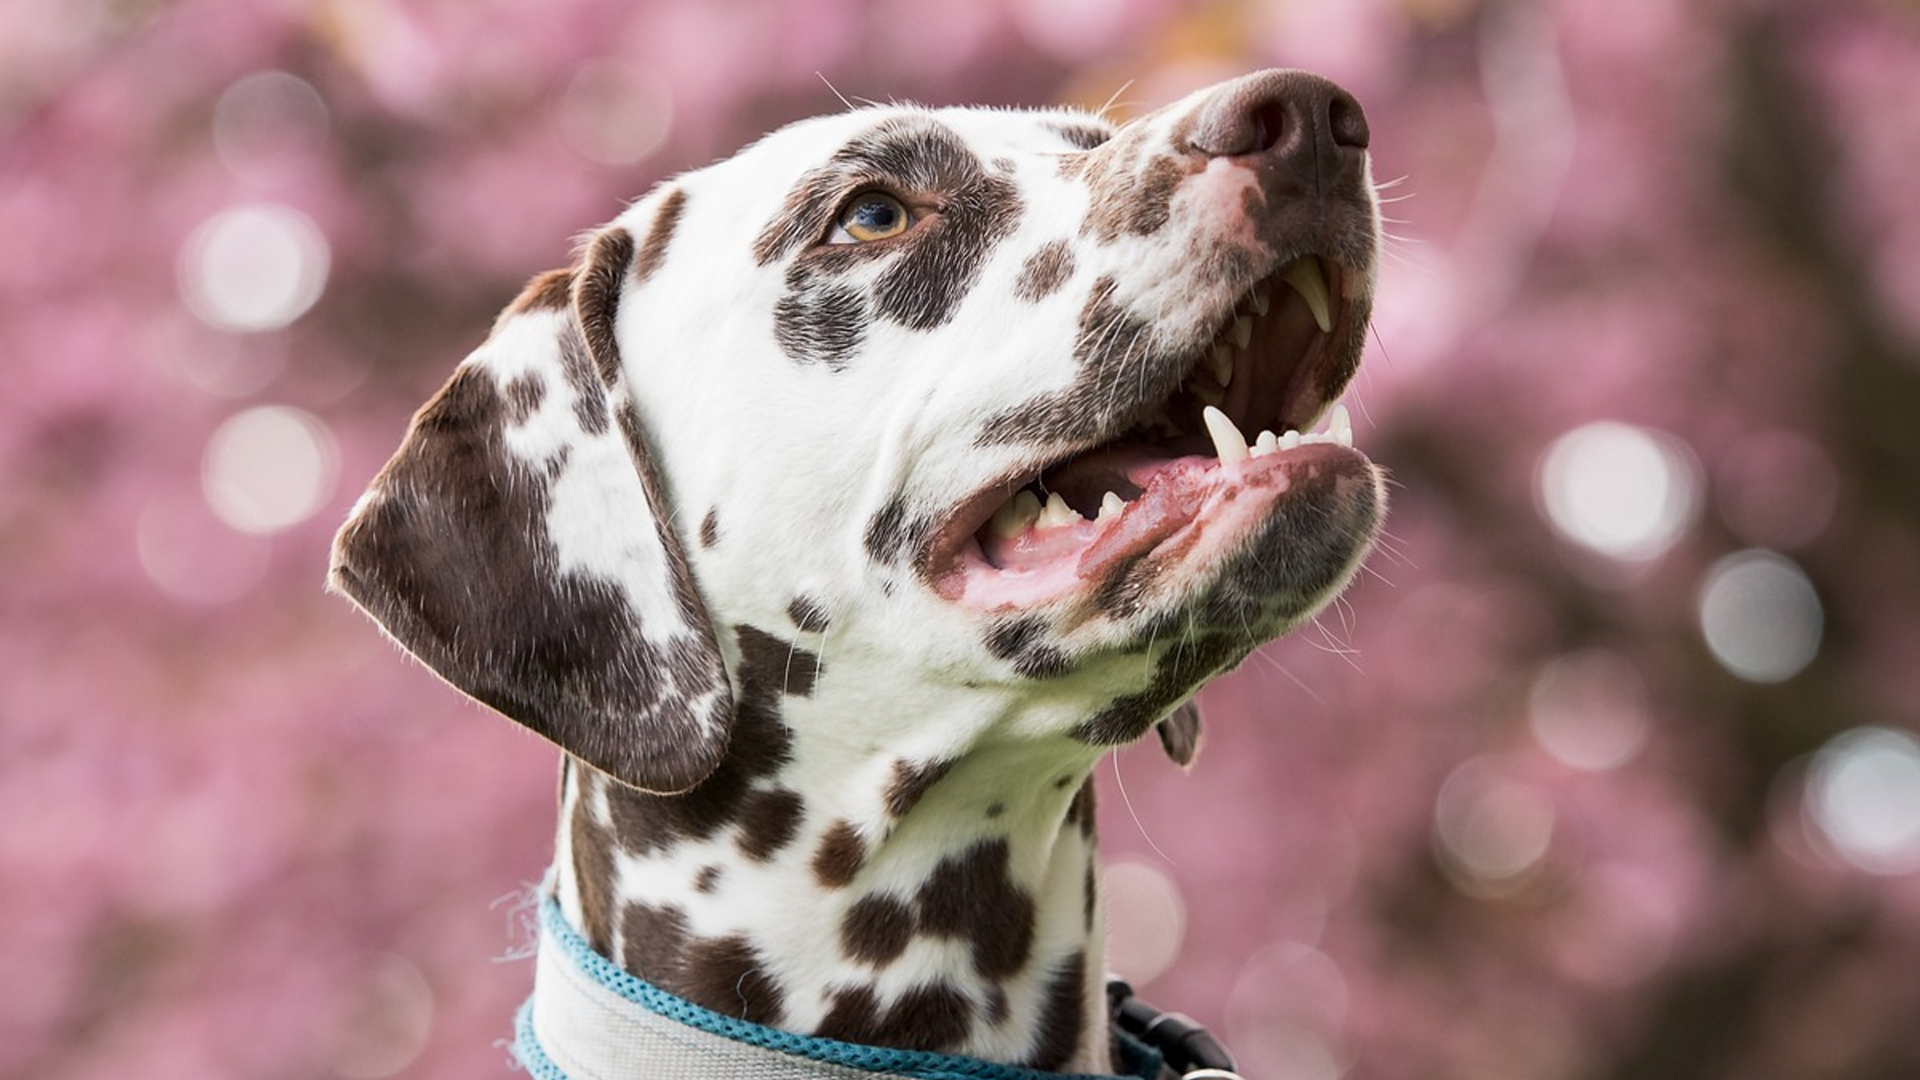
{"points": [[1142, 1062]]}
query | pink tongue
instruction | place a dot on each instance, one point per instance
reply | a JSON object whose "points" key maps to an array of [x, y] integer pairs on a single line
{"points": [[1171, 494]]}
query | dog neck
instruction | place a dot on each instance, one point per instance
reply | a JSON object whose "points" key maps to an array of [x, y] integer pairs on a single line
{"points": [[922, 882]]}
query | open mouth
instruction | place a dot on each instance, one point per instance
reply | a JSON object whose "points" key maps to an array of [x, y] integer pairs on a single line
{"points": [[1189, 471]]}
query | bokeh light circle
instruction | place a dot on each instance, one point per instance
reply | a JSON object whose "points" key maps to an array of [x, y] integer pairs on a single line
{"points": [[1761, 616], [1146, 920], [1863, 794], [268, 468], [1588, 710], [254, 268], [262, 121], [615, 114], [1490, 831], [1625, 492]]}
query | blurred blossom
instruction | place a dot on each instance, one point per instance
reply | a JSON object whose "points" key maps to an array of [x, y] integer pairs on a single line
{"points": [[265, 123], [269, 468], [1146, 919], [254, 267], [1777, 489], [1490, 830], [1863, 794], [386, 1021], [1287, 1010], [191, 555], [213, 361], [1070, 30], [1619, 925], [615, 114], [1761, 616], [1622, 491], [1588, 710]]}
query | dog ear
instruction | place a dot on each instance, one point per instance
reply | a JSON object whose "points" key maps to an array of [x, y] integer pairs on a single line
{"points": [[1180, 733], [519, 544]]}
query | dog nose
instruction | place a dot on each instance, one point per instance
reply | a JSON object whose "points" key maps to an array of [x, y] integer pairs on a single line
{"points": [[1293, 120]]}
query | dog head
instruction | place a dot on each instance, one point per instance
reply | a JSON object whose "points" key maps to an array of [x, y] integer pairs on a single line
{"points": [[964, 390]]}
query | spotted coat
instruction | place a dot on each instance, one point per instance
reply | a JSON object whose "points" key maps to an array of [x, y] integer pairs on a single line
{"points": [[835, 562]]}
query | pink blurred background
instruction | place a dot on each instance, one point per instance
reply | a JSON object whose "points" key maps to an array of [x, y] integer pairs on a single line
{"points": [[1607, 767]]}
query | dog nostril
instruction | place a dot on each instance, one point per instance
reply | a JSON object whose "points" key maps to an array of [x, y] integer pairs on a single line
{"points": [[1269, 126], [1348, 121]]}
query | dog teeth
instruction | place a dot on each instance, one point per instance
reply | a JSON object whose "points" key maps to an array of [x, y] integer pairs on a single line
{"points": [[1228, 443], [1243, 328], [1111, 505], [1220, 365], [1340, 425], [1339, 430], [1016, 515], [1056, 513], [1310, 281], [1258, 301]]}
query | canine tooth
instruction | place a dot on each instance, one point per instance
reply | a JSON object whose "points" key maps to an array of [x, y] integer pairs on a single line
{"points": [[1206, 392], [1290, 441], [1243, 329], [1220, 365], [1340, 425], [1016, 515], [1259, 301], [1228, 443], [1056, 512], [1307, 278], [1266, 444], [1110, 504]]}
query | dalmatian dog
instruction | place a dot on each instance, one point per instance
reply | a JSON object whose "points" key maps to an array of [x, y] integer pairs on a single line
{"points": [[850, 498]]}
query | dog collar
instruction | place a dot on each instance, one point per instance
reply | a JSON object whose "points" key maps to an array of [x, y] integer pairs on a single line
{"points": [[589, 1020]]}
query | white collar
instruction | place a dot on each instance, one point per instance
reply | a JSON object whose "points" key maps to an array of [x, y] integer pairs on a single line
{"points": [[589, 1020]]}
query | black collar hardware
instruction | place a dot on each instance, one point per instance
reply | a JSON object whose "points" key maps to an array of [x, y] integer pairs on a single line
{"points": [[1190, 1050]]}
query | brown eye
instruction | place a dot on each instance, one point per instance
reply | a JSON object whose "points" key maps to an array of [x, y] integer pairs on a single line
{"points": [[873, 216]]}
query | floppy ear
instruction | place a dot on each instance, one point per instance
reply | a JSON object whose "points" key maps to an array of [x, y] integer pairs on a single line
{"points": [[518, 544], [1180, 733]]}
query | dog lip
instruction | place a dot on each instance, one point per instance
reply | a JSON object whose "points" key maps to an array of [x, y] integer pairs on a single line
{"points": [[1285, 376]]}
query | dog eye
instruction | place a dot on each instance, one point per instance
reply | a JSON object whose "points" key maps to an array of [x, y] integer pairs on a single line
{"points": [[873, 216]]}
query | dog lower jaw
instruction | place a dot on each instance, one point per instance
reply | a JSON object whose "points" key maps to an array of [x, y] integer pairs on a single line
{"points": [[1189, 510]]}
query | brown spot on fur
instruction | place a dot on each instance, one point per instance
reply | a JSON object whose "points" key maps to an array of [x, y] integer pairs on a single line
{"points": [[598, 297], [935, 1017], [1063, 1016], [523, 397], [593, 873], [768, 822], [551, 291], [728, 976], [708, 880], [876, 929], [1080, 811], [653, 251], [1025, 643], [910, 782], [972, 896], [1086, 136], [653, 940], [807, 614], [773, 666], [825, 324], [840, 855], [710, 528], [1045, 271]]}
